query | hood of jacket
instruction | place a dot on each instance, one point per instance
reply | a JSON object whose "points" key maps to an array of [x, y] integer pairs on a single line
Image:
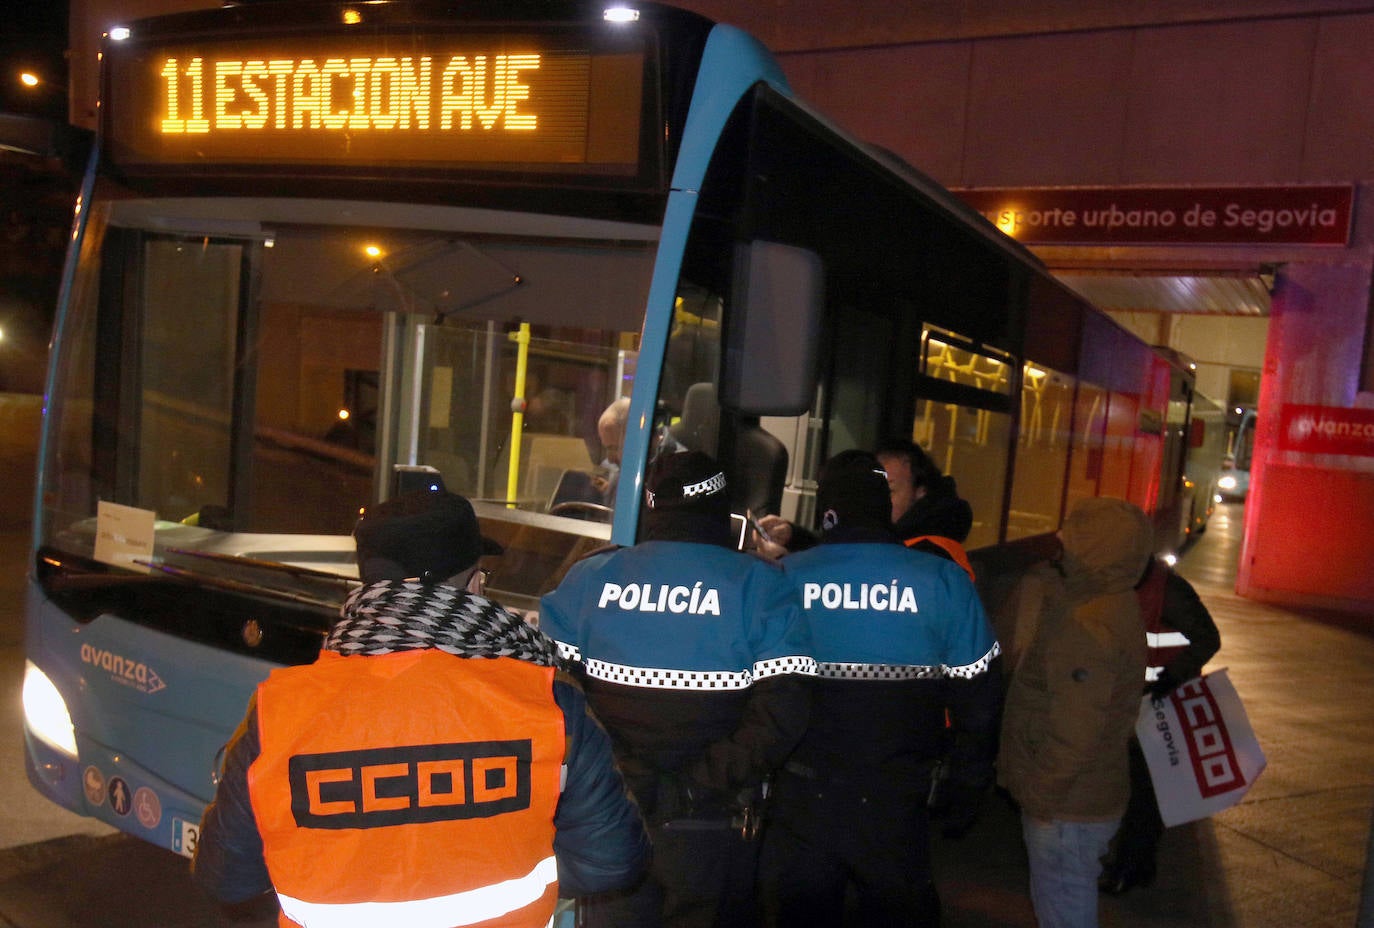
{"points": [[1108, 544]]}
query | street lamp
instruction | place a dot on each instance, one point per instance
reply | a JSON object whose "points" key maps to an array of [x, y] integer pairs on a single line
{"points": [[34, 81], [44, 95]]}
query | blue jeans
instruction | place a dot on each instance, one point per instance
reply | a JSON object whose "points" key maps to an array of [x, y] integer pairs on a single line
{"points": [[1065, 861]]}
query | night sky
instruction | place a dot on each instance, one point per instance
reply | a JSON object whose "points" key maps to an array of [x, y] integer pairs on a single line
{"points": [[33, 37], [36, 195]]}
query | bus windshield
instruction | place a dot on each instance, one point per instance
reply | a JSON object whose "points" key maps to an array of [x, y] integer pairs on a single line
{"points": [[248, 373]]}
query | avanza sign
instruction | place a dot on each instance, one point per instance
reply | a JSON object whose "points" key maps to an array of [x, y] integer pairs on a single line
{"points": [[1326, 430], [1290, 215]]}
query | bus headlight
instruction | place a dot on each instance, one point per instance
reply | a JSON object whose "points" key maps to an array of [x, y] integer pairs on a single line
{"points": [[45, 712]]}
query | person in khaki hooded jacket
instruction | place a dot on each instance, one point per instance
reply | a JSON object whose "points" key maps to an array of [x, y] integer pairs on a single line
{"points": [[1077, 660]]}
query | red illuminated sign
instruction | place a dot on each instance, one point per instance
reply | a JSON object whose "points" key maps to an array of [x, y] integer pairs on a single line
{"points": [[1327, 430], [1292, 215]]}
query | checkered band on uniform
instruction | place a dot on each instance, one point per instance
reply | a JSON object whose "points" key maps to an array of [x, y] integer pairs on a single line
{"points": [[663, 678], [779, 665], [832, 670], [969, 671]]}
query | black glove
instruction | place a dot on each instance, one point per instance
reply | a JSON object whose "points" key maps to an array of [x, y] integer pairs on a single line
{"points": [[955, 805], [679, 796], [1163, 685]]}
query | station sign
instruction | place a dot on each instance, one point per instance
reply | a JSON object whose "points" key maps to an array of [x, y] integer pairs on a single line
{"points": [[1281, 215]]}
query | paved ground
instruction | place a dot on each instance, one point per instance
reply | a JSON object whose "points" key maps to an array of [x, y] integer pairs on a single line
{"points": [[1291, 854]]}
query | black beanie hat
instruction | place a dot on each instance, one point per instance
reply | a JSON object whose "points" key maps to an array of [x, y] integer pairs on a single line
{"points": [[852, 491], [429, 534], [685, 500]]}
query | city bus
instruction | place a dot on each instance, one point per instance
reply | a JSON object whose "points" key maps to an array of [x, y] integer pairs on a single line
{"points": [[1206, 458], [326, 251], [1235, 477]]}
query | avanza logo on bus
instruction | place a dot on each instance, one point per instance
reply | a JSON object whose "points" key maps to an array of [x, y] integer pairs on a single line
{"points": [[123, 670]]}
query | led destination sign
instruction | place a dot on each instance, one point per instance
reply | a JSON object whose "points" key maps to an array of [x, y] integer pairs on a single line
{"points": [[470, 101]]}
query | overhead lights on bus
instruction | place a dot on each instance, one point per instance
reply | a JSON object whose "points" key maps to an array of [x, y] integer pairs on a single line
{"points": [[372, 251], [352, 17], [343, 415], [620, 14], [120, 33]]}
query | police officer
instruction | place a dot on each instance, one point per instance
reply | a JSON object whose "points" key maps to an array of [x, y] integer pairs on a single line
{"points": [[697, 661], [411, 775], [900, 637]]}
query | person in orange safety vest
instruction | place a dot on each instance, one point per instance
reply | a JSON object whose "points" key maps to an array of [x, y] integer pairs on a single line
{"points": [[433, 767]]}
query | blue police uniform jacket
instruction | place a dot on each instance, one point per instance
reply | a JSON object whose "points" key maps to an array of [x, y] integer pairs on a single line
{"points": [[900, 638], [683, 645]]}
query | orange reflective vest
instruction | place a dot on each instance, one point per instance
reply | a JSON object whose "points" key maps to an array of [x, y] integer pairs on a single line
{"points": [[950, 546], [415, 788]]}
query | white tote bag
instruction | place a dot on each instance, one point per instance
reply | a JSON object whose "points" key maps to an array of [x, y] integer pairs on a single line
{"points": [[1202, 752]]}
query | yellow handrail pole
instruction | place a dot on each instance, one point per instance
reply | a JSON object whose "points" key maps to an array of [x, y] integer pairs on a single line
{"points": [[517, 407]]}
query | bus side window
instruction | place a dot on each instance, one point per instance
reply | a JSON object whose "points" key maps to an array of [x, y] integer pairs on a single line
{"points": [[1043, 451], [967, 435]]}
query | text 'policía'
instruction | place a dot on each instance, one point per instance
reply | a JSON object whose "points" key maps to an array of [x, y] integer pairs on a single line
{"points": [[879, 597], [661, 597]]}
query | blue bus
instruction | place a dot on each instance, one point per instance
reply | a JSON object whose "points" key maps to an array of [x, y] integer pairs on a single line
{"points": [[1206, 457], [1235, 477], [324, 251]]}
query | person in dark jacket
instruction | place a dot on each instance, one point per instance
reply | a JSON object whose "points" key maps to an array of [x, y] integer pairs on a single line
{"points": [[415, 768], [697, 660], [926, 509], [1181, 637], [900, 638], [924, 501]]}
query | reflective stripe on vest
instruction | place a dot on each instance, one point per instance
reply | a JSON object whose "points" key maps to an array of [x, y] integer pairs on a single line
{"points": [[950, 546], [405, 788], [465, 908], [1163, 641]]}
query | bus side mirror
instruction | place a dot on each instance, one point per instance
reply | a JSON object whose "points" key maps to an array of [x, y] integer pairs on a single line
{"points": [[1197, 433], [772, 338]]}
